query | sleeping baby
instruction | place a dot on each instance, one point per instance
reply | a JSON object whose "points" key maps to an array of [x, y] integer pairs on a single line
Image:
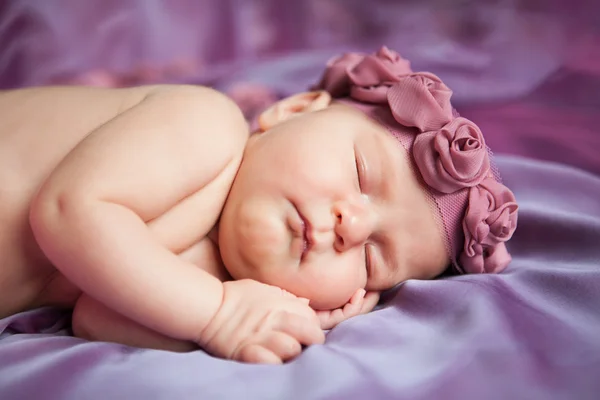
{"points": [[155, 215]]}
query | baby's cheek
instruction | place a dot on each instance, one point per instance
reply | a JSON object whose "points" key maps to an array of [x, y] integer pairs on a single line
{"points": [[334, 288]]}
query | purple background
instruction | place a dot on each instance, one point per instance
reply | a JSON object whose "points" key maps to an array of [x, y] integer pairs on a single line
{"points": [[527, 72]]}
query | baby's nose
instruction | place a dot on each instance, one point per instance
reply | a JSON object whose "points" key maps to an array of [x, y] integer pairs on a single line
{"points": [[354, 223]]}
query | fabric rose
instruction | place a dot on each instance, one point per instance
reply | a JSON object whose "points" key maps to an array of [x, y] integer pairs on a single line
{"points": [[374, 74], [490, 220], [396, 64], [453, 157], [372, 77], [421, 100], [486, 259], [335, 79]]}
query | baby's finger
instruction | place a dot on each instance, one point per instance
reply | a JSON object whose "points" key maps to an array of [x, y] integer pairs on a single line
{"points": [[257, 354], [325, 319], [370, 301], [282, 345], [358, 296], [330, 319], [337, 315], [351, 309], [306, 331]]}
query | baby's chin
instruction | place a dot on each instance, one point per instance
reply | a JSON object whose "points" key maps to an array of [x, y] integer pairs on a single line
{"points": [[327, 304]]}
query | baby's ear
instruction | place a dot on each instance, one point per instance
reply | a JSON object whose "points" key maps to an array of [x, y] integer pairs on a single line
{"points": [[293, 106]]}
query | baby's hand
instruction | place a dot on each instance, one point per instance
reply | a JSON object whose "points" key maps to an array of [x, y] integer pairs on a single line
{"points": [[361, 303], [259, 323]]}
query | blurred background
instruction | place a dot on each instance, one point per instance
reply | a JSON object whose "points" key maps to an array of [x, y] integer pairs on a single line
{"points": [[526, 71]]}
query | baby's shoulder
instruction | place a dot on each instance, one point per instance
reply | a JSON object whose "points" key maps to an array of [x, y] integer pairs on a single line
{"points": [[205, 111]]}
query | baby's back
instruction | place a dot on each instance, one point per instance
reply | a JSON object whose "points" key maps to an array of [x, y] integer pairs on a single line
{"points": [[38, 128]]}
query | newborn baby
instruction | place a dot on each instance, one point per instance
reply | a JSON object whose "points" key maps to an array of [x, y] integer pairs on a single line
{"points": [[155, 215]]}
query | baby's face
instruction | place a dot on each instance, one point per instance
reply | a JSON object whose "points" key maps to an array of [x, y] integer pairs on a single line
{"points": [[325, 204]]}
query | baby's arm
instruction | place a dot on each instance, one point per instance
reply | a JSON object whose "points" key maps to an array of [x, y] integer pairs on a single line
{"points": [[94, 321], [90, 216], [92, 219]]}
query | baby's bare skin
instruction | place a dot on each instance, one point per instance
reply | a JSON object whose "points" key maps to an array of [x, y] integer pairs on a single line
{"points": [[28, 156], [108, 199]]}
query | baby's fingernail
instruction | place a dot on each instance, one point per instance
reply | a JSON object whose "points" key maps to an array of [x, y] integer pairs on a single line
{"points": [[363, 292]]}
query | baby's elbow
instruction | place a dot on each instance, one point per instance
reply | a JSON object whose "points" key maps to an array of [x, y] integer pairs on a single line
{"points": [[49, 213], [40, 213]]}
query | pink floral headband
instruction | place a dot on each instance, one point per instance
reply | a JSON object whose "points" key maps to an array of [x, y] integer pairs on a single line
{"points": [[478, 213]]}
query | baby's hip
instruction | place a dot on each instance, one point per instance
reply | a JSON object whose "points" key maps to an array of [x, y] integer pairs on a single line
{"points": [[28, 280], [58, 292]]}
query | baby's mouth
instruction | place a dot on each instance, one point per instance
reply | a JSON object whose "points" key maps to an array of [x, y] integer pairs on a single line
{"points": [[304, 229], [305, 240]]}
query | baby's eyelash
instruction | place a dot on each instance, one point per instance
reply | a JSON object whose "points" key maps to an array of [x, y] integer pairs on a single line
{"points": [[358, 171], [367, 260]]}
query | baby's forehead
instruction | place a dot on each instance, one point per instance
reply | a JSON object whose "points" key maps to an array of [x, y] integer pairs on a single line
{"points": [[341, 117]]}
